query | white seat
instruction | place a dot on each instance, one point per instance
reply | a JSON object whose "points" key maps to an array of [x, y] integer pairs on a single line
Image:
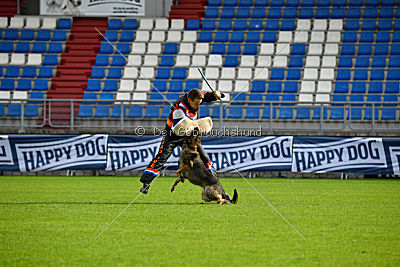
{"points": [[16, 23], [198, 61], [307, 87], [3, 22], [225, 86], [324, 87], [317, 37], [327, 74], [34, 59], [146, 73], [5, 95], [126, 85], [186, 48], [312, 61], [182, 61], [280, 61], [153, 48], [241, 86], [285, 37], [139, 96], [283, 49], [130, 72], [315, 49], [49, 23], [305, 98], [177, 24], [3, 58], [212, 73], [335, 25], [205, 87], [134, 60], [333, 37], [300, 37], [32, 23], [162, 24], [202, 48], [194, 74], [189, 36], [320, 25], [228, 73], [322, 98], [328, 61], [267, 49], [142, 85], [123, 96], [157, 36], [247, 61], [174, 36], [303, 24], [331, 49], [138, 48], [17, 59], [244, 74], [146, 24], [263, 61], [215, 60], [142, 36], [20, 95], [261, 74], [310, 74], [150, 60]]}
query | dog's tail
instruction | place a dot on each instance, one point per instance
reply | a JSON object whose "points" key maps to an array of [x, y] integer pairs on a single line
{"points": [[235, 197]]}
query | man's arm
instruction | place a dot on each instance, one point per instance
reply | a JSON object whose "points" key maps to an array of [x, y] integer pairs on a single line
{"points": [[212, 96]]}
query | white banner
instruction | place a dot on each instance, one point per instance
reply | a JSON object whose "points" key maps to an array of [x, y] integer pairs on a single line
{"points": [[6, 157], [78, 8]]}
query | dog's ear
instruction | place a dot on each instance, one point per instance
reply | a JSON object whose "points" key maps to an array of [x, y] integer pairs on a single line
{"points": [[196, 131]]}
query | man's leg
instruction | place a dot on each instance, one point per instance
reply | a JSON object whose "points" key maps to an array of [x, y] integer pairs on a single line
{"points": [[207, 162], [154, 167]]}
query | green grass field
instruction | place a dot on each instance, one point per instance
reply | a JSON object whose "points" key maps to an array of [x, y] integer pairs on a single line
{"points": [[54, 221]]}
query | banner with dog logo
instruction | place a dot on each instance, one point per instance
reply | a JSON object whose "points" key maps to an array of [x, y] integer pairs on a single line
{"points": [[78, 8]]}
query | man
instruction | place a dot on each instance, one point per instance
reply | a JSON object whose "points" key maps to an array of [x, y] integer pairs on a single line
{"points": [[180, 123]]}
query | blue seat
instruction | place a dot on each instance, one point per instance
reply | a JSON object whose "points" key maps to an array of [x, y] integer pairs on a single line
{"points": [[277, 74], [290, 87], [6, 47], [123, 48], [250, 49], [375, 87], [116, 111], [39, 47], [114, 73], [394, 50], [126, 36], [269, 37], [118, 60], [225, 25], [135, 112], [393, 74], [353, 13], [172, 97], [43, 35], [22, 47], [231, 61], [89, 96], [93, 85], [246, 3], [268, 113], [382, 49], [323, 13], [298, 49], [152, 111], [40, 85], [55, 48], [356, 3], [102, 60], [216, 112], [288, 99], [274, 13], [85, 111], [362, 62], [361, 74], [337, 13], [286, 113], [373, 104], [272, 98], [7, 84], [377, 74], [293, 3], [50, 60], [386, 12], [11, 34], [24, 84], [368, 25], [349, 37], [208, 24], [372, 2], [98, 72], [179, 73], [308, 3], [352, 25], [345, 61], [205, 37], [102, 111], [12, 71], [397, 24], [293, 74], [111, 36], [230, 2], [255, 99], [59, 36], [358, 87], [343, 74], [28, 72], [243, 13], [165, 111], [290, 13], [258, 13], [378, 61], [258, 87], [256, 25], [14, 110], [221, 36], [370, 12], [167, 61], [64, 23], [341, 87], [382, 37], [163, 73], [392, 88], [214, 2], [252, 113], [211, 12], [389, 109], [303, 113], [356, 102], [262, 3], [130, 24], [204, 111], [114, 24], [239, 25], [27, 35], [394, 61], [388, 3], [396, 37], [317, 112], [227, 13], [324, 3], [175, 86], [272, 25], [234, 49], [110, 86], [306, 13], [190, 84], [288, 25], [235, 112], [365, 49], [385, 24], [171, 48], [253, 37], [238, 99], [106, 48], [107, 98], [194, 24], [237, 36], [159, 86], [36, 97]]}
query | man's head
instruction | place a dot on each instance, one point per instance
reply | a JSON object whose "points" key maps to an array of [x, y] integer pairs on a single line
{"points": [[195, 97]]}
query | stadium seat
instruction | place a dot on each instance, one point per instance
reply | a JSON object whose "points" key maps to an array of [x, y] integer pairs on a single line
{"points": [[239, 25], [116, 111], [85, 111], [40, 85], [175, 86], [89, 96], [135, 112], [130, 24]]}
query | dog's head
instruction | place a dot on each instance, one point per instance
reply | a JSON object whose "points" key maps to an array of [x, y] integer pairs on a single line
{"points": [[193, 139]]}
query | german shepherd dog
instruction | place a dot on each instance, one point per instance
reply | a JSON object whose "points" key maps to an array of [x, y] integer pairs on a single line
{"points": [[192, 167]]}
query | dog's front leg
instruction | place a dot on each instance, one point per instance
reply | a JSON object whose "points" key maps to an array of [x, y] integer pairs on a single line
{"points": [[180, 176]]}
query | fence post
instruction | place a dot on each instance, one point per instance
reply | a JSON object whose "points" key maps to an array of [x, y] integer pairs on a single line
{"points": [[122, 118], [21, 129], [72, 115], [373, 133], [321, 120]]}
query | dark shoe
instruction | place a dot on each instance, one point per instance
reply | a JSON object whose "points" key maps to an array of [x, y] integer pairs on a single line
{"points": [[145, 188]]}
